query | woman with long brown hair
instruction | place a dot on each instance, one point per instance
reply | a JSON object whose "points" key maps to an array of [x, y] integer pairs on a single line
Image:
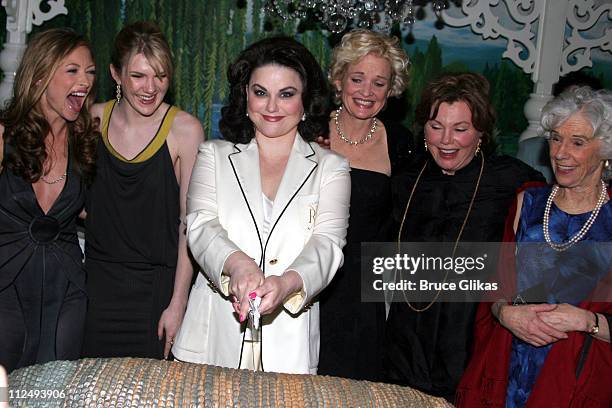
{"points": [[48, 156]]}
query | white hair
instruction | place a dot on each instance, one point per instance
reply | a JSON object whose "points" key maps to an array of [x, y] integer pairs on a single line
{"points": [[595, 106]]}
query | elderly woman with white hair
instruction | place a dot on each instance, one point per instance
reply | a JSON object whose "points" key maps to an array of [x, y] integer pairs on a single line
{"points": [[550, 346]]}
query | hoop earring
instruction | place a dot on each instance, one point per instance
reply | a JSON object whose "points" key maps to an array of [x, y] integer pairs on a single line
{"points": [[425, 143], [118, 93]]}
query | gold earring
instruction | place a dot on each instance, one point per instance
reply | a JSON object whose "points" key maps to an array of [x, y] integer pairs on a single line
{"points": [[425, 143], [477, 148], [607, 164], [118, 93]]}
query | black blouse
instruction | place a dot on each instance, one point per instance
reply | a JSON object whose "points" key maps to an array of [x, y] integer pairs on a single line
{"points": [[429, 350]]}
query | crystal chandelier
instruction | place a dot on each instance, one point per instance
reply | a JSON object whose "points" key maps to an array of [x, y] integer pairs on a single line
{"points": [[338, 15]]}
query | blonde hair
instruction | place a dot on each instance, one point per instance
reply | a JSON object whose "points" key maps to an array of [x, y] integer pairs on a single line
{"points": [[143, 37], [358, 43]]}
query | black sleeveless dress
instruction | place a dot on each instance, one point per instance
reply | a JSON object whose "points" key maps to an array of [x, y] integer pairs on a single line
{"points": [[351, 330], [131, 246], [42, 295]]}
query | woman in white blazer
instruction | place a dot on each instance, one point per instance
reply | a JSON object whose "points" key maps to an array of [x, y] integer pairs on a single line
{"points": [[267, 213]]}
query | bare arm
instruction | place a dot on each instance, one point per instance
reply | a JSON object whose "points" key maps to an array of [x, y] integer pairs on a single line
{"points": [[187, 134]]}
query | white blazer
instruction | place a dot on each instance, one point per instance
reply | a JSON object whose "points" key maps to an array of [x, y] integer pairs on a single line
{"points": [[307, 232]]}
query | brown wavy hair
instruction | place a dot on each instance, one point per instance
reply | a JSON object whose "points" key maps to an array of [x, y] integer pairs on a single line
{"points": [[469, 87], [25, 125]]}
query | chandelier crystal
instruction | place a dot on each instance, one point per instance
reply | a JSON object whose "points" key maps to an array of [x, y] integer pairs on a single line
{"points": [[339, 15]]}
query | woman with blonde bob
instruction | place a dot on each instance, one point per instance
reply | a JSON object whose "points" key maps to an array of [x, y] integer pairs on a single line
{"points": [[48, 143], [367, 68]]}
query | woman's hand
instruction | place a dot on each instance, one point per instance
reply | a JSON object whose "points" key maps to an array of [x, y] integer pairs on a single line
{"points": [[525, 323], [169, 323], [245, 277], [567, 318], [276, 289], [323, 142]]}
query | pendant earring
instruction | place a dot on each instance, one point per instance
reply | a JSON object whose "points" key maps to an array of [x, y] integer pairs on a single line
{"points": [[303, 117], [425, 143], [118, 93], [477, 148]]}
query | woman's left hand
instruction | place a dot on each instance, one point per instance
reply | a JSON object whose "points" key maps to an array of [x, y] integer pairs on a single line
{"points": [[567, 318], [324, 142], [169, 324], [276, 289]]}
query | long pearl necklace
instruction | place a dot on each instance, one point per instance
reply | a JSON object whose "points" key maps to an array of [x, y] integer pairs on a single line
{"points": [[585, 228], [365, 139]]}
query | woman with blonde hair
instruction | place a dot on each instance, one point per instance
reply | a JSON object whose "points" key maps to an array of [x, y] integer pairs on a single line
{"points": [[48, 156], [138, 269], [367, 68]]}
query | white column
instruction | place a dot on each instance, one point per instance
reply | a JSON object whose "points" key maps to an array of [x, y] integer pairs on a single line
{"points": [[549, 47], [546, 22], [20, 15]]}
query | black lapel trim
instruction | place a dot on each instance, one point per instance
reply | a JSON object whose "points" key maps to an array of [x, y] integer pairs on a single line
{"points": [[316, 164], [247, 203]]}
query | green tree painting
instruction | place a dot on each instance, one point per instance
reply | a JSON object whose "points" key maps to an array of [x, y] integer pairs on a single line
{"points": [[206, 36]]}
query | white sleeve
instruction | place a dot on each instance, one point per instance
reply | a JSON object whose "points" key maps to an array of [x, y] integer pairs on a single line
{"points": [[207, 239], [322, 255]]}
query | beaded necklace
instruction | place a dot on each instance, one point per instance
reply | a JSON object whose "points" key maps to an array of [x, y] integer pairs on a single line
{"points": [[585, 228], [363, 140]]}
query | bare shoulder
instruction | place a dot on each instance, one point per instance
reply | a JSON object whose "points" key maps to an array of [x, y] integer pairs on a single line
{"points": [[187, 129]]}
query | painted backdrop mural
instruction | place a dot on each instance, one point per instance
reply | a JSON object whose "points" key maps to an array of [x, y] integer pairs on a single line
{"points": [[206, 35]]}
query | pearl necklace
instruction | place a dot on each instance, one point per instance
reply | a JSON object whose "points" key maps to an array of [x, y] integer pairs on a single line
{"points": [[585, 228], [60, 178], [365, 139]]}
